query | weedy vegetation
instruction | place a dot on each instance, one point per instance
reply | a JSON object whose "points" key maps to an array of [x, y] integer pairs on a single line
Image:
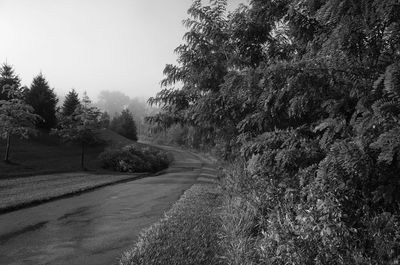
{"points": [[302, 97]]}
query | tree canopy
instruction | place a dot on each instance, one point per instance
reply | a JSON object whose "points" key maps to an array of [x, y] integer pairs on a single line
{"points": [[80, 127], [16, 117], [307, 92]]}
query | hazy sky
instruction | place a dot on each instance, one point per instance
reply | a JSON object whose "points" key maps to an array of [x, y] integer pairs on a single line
{"points": [[93, 45]]}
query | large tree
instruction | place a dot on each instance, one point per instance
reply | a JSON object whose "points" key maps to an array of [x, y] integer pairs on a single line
{"points": [[309, 91], [112, 101], [16, 117], [81, 127], [44, 101], [71, 102]]}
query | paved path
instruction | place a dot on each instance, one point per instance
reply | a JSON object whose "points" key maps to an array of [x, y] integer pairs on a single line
{"points": [[95, 227]]}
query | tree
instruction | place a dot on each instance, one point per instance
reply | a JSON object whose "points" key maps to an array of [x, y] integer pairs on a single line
{"points": [[81, 126], [7, 77], [124, 124], [202, 64], [112, 101], [309, 92], [105, 120], [16, 117], [44, 101], [71, 102]]}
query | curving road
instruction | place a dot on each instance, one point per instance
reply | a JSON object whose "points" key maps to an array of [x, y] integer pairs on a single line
{"points": [[95, 227]]}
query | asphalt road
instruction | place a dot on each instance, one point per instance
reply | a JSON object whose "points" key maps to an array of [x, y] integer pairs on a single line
{"points": [[96, 227]]}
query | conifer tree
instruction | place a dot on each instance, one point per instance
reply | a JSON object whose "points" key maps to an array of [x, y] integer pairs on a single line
{"points": [[44, 101], [105, 120], [71, 102], [124, 124], [8, 77]]}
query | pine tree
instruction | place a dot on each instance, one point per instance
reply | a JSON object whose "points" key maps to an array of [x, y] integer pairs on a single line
{"points": [[7, 77], [124, 124], [44, 101], [71, 102], [80, 126], [105, 120]]}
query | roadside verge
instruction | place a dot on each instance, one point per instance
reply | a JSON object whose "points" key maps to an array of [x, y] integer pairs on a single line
{"points": [[188, 233]]}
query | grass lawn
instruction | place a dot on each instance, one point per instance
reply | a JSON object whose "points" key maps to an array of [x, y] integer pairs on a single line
{"points": [[45, 154], [188, 234], [19, 192]]}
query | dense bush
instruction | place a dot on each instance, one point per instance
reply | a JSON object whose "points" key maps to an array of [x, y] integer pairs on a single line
{"points": [[135, 158], [307, 93]]}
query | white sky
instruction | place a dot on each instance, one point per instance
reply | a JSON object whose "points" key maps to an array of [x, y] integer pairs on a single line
{"points": [[93, 45]]}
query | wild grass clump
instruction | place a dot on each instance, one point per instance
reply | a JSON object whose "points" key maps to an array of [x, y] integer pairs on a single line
{"points": [[135, 158], [188, 234]]}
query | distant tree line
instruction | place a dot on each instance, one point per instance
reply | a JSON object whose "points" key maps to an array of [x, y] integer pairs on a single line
{"points": [[27, 111]]}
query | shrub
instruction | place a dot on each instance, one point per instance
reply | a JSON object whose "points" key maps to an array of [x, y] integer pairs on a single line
{"points": [[135, 158], [309, 208]]}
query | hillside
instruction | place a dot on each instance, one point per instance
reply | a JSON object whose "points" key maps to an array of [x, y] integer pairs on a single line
{"points": [[47, 154]]}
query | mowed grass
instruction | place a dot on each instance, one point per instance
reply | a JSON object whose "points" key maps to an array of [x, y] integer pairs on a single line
{"points": [[188, 234], [43, 168], [46, 154], [19, 192]]}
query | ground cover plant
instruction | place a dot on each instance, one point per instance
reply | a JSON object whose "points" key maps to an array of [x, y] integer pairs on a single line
{"points": [[186, 235], [303, 98], [135, 158]]}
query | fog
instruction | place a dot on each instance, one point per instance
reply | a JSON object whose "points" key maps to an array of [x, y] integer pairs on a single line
{"points": [[93, 45]]}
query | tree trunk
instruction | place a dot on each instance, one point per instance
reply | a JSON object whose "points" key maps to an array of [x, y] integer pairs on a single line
{"points": [[7, 148], [83, 156]]}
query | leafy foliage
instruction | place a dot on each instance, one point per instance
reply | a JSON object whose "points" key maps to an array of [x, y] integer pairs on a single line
{"points": [[81, 126], [133, 158], [16, 117], [307, 92]]}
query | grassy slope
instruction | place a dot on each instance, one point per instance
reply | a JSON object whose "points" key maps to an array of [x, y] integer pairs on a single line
{"points": [[44, 155]]}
